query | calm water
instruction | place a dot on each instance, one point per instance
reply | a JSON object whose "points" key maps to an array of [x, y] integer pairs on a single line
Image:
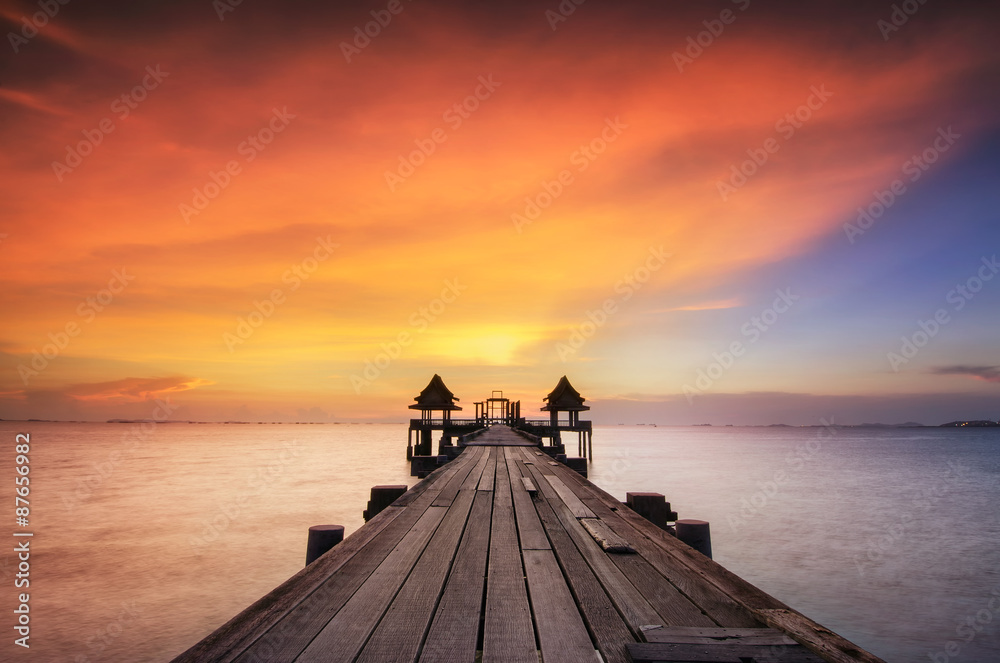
{"points": [[145, 542]]}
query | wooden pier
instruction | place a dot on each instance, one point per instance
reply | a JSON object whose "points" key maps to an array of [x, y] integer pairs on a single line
{"points": [[505, 555]]}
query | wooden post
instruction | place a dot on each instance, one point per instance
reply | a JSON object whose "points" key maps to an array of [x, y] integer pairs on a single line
{"points": [[381, 497], [696, 534], [321, 539], [654, 507]]}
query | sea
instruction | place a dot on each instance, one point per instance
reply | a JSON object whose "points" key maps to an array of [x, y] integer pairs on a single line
{"points": [[147, 537]]}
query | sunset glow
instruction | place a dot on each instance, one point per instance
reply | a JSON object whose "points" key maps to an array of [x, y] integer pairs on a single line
{"points": [[231, 214]]}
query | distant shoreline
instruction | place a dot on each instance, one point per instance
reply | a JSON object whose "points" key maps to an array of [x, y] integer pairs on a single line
{"points": [[972, 423]]}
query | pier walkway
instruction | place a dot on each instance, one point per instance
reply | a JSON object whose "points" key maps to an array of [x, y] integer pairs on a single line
{"points": [[506, 555]]}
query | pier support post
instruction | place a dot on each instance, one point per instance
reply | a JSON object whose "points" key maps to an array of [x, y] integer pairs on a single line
{"points": [[381, 497], [654, 507], [321, 539], [696, 534], [579, 464]]}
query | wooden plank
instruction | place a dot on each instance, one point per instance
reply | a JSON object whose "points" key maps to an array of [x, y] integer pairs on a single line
{"points": [[760, 606], [599, 613], [644, 652], [674, 608], [529, 486], [605, 537], [449, 492], [529, 528], [823, 641], [343, 637], [707, 636], [398, 635], [631, 604], [722, 608], [562, 636], [508, 633], [455, 629], [472, 481], [576, 506], [284, 615], [489, 474]]}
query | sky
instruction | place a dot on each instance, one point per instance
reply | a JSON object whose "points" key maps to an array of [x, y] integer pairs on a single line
{"points": [[714, 212]]}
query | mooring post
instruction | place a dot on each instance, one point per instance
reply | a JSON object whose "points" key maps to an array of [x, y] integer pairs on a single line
{"points": [[654, 507], [321, 539], [696, 534], [381, 497]]}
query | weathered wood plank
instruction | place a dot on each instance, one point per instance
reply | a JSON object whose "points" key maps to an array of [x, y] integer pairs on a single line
{"points": [[230, 640], [599, 612], [449, 492], [605, 537], [489, 474], [455, 629], [644, 652], [529, 486], [472, 481], [529, 528], [760, 605], [674, 608], [342, 638], [508, 633], [819, 639], [576, 506], [630, 603], [398, 636], [706, 636], [723, 609], [562, 636]]}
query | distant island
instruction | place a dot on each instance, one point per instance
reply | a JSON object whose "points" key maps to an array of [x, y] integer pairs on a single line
{"points": [[979, 423]]}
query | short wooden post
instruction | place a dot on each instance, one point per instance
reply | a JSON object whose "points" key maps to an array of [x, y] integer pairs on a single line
{"points": [[321, 539], [381, 497], [578, 464], [696, 534], [654, 507]]}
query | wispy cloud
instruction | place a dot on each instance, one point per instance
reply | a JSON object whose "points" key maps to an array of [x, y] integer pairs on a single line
{"points": [[133, 390], [985, 373]]}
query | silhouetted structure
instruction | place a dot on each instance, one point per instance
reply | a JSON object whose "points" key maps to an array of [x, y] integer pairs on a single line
{"points": [[564, 398], [435, 397]]}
